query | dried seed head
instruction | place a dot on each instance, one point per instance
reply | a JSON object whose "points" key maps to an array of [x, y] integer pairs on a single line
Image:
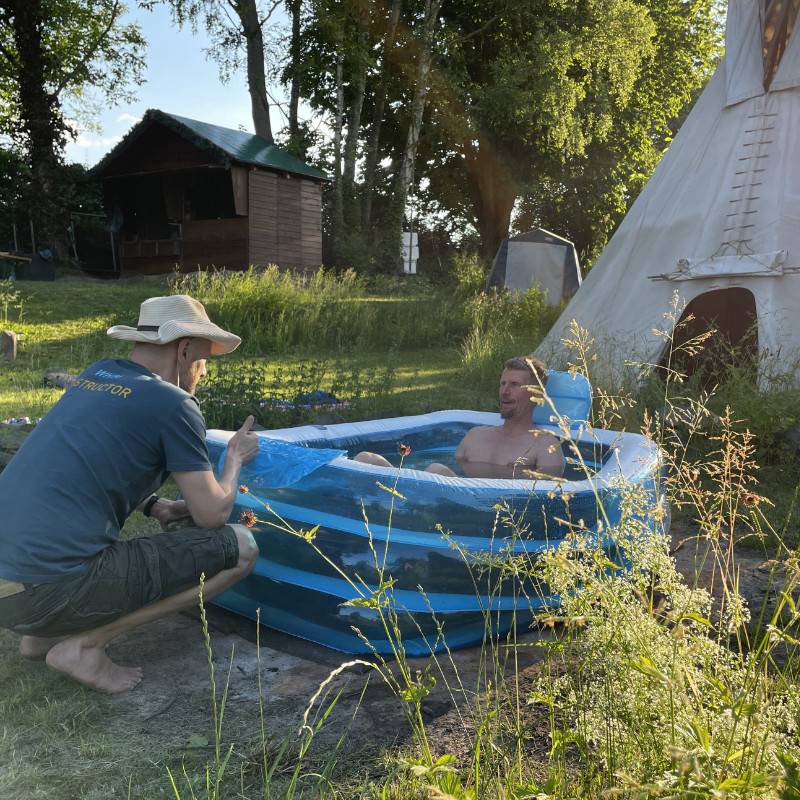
{"points": [[751, 499], [248, 518]]}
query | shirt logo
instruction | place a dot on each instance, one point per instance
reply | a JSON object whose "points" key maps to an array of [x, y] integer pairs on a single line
{"points": [[111, 388]]}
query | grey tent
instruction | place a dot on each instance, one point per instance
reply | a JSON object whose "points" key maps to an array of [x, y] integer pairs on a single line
{"points": [[537, 258]]}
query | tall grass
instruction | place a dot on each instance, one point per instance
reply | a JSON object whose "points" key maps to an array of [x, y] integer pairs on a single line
{"points": [[503, 325], [760, 393], [274, 310]]}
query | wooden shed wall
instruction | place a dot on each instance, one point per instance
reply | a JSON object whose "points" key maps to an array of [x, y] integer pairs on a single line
{"points": [[215, 242], [285, 221]]}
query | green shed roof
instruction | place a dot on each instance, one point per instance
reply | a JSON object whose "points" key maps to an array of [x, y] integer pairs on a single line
{"points": [[229, 144]]}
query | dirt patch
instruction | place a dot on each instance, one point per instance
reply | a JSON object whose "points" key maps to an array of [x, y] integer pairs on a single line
{"points": [[173, 703]]}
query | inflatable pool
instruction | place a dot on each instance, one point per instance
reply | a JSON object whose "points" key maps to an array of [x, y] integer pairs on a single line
{"points": [[416, 529]]}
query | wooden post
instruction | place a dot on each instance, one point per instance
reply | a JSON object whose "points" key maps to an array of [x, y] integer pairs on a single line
{"points": [[8, 345], [113, 251]]}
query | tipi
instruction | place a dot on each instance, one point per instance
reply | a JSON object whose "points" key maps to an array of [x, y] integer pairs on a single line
{"points": [[719, 219], [537, 258]]}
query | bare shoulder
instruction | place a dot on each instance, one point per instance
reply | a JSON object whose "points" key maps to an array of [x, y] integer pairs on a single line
{"points": [[544, 437], [546, 453], [480, 430]]}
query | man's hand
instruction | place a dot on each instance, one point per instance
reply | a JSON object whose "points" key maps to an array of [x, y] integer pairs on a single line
{"points": [[166, 511], [210, 499], [243, 445]]}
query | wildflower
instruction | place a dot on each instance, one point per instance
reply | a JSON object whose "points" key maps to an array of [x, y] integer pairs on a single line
{"points": [[404, 449], [243, 489], [751, 499], [248, 518], [310, 534]]}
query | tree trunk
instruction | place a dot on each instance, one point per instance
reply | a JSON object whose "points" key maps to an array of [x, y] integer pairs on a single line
{"points": [[295, 7], [405, 174], [353, 130], [338, 205], [373, 147], [42, 124], [493, 191], [256, 78]]}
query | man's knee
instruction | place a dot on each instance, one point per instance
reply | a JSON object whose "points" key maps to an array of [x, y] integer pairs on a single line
{"points": [[376, 460], [248, 549], [440, 469]]}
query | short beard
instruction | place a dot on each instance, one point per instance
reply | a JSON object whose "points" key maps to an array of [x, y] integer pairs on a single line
{"points": [[185, 383], [506, 414]]}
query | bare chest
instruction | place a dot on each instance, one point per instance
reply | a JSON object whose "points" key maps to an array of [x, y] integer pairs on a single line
{"points": [[492, 448]]}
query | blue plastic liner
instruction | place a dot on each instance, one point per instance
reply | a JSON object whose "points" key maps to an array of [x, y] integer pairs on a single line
{"points": [[281, 463]]}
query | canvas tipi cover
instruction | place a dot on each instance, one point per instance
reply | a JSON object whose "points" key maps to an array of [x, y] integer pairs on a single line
{"points": [[537, 258], [719, 219]]}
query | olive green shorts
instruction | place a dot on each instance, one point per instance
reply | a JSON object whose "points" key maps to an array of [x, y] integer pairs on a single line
{"points": [[120, 579]]}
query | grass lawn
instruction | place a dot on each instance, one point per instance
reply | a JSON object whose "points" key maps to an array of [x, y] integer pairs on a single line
{"points": [[63, 328]]}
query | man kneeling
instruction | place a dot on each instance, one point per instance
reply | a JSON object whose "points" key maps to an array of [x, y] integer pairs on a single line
{"points": [[510, 450], [68, 584]]}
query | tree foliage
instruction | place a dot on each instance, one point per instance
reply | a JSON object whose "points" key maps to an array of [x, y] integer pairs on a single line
{"points": [[589, 194], [85, 48], [555, 111], [54, 53], [564, 105], [485, 113]]}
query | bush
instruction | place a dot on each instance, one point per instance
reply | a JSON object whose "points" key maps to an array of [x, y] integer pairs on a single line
{"points": [[234, 389], [470, 273], [503, 325]]}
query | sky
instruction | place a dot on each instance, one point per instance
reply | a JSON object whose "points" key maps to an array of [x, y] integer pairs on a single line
{"points": [[179, 79]]}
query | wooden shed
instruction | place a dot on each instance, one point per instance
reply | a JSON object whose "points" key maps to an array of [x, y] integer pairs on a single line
{"points": [[185, 193]]}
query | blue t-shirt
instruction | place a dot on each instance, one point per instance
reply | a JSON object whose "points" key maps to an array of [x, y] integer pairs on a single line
{"points": [[111, 440]]}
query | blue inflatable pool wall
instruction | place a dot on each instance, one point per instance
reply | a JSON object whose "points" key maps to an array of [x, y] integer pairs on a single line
{"points": [[307, 477]]}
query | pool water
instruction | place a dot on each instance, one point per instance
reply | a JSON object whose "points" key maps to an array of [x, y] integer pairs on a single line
{"points": [[439, 443]]}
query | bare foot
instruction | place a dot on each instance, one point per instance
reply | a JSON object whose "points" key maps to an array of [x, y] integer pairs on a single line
{"points": [[92, 667], [37, 647]]}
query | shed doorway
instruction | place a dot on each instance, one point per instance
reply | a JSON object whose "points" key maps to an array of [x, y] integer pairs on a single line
{"points": [[732, 314]]}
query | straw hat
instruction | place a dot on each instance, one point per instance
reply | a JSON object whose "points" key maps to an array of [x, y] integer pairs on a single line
{"points": [[165, 319]]}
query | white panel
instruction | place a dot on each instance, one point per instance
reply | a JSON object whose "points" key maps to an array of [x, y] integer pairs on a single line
{"points": [[743, 65], [788, 75]]}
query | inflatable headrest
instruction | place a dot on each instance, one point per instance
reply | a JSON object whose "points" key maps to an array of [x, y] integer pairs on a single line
{"points": [[571, 395]]}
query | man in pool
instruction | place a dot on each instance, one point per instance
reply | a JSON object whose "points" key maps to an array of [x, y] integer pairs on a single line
{"points": [[510, 450]]}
